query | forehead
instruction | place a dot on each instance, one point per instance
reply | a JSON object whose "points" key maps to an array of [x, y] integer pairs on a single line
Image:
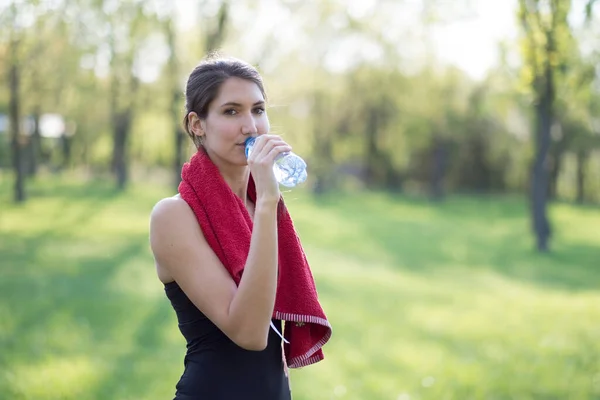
{"points": [[239, 91]]}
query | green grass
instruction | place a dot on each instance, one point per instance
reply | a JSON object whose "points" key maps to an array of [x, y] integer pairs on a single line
{"points": [[427, 301]]}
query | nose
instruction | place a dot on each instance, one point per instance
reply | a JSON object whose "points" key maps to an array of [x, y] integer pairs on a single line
{"points": [[249, 125]]}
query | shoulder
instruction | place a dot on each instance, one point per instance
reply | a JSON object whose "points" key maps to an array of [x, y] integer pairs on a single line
{"points": [[172, 217], [170, 207], [174, 230]]}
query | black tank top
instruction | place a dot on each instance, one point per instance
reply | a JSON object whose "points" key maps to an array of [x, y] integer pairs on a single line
{"points": [[215, 368]]}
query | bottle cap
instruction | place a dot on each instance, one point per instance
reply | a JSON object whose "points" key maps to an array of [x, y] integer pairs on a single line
{"points": [[248, 143]]}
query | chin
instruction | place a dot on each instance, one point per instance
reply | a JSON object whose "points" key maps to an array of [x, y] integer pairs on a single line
{"points": [[239, 160], [242, 157]]}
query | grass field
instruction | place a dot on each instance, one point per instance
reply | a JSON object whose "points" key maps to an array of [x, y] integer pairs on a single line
{"points": [[427, 301]]}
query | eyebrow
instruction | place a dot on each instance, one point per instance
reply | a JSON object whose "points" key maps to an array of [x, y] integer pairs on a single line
{"points": [[234, 104]]}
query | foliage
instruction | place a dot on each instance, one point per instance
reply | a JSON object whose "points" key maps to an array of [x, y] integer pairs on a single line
{"points": [[383, 120]]}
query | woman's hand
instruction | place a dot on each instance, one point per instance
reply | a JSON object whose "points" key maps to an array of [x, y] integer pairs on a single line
{"points": [[261, 160]]}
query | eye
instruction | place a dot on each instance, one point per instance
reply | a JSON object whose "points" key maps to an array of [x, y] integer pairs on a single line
{"points": [[230, 111], [259, 110]]}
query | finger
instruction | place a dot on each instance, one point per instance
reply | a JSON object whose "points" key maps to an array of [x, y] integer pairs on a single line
{"points": [[274, 152], [278, 147], [269, 153], [259, 143], [267, 147]]}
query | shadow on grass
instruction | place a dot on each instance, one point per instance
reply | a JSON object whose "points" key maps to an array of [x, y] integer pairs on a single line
{"points": [[66, 314], [63, 306], [465, 233], [133, 371], [83, 295]]}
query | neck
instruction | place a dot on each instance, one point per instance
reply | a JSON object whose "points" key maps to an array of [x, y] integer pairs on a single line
{"points": [[235, 176], [237, 179]]}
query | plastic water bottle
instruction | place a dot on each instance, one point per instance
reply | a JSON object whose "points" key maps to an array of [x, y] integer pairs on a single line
{"points": [[289, 168]]}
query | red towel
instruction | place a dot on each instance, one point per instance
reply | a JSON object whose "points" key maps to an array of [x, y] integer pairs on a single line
{"points": [[227, 226]]}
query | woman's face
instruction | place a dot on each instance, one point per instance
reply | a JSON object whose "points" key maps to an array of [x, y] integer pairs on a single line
{"points": [[237, 112]]}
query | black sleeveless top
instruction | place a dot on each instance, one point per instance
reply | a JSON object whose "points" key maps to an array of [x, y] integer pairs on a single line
{"points": [[215, 368]]}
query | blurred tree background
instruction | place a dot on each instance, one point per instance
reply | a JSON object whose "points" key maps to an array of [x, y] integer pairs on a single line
{"points": [[93, 92], [363, 97]]}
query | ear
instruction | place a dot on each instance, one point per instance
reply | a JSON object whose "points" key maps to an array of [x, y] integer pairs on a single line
{"points": [[195, 124]]}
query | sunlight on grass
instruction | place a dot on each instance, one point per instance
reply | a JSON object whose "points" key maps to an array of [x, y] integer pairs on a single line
{"points": [[136, 270], [427, 301], [56, 378]]}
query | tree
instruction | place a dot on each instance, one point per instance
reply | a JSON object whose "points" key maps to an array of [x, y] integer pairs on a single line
{"points": [[128, 24], [216, 27], [48, 52], [545, 27], [589, 8], [14, 83], [214, 34], [175, 94], [575, 115]]}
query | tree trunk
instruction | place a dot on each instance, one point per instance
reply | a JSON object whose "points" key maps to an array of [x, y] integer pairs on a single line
{"points": [[65, 142], [15, 126], [178, 134], [178, 142], [323, 147], [216, 35], [582, 158], [393, 179], [122, 119], [438, 169], [556, 156], [35, 144], [122, 125], [539, 182], [371, 149]]}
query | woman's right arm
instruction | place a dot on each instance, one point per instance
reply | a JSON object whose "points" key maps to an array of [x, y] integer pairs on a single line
{"points": [[243, 313]]}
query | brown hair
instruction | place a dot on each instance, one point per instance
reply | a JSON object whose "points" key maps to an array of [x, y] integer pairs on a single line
{"points": [[205, 81]]}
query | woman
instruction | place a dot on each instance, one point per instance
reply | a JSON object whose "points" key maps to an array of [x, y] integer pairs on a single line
{"points": [[226, 251]]}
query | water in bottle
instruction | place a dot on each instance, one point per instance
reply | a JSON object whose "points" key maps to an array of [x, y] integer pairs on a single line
{"points": [[289, 168]]}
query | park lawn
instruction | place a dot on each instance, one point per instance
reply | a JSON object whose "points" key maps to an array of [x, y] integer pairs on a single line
{"points": [[427, 301]]}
